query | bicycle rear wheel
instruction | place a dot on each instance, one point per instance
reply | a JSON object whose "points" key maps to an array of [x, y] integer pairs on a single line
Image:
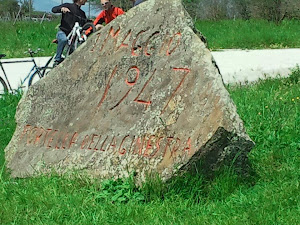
{"points": [[82, 33], [3, 87], [38, 74]]}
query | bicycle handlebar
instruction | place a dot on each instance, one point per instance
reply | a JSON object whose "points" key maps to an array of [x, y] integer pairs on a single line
{"points": [[31, 52], [86, 20]]}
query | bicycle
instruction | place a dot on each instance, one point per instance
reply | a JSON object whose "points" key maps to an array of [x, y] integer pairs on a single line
{"points": [[36, 72], [77, 36]]}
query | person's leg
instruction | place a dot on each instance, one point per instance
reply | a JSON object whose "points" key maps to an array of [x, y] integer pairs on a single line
{"points": [[61, 43]]}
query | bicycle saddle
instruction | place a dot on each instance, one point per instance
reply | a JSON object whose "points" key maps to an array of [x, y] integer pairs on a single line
{"points": [[2, 56]]}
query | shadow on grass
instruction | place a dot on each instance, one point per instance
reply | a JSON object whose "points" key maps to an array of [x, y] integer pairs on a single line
{"points": [[199, 187]]}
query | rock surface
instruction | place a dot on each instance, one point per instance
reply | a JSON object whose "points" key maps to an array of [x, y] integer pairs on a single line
{"points": [[142, 95]]}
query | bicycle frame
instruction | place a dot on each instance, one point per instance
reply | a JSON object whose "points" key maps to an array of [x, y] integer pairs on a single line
{"points": [[35, 68], [32, 71], [3, 70], [78, 29], [75, 33]]}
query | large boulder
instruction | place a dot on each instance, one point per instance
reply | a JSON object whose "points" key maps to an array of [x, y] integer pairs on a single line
{"points": [[142, 95]]}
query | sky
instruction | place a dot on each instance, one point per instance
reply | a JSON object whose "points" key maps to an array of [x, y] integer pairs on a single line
{"points": [[46, 6]]}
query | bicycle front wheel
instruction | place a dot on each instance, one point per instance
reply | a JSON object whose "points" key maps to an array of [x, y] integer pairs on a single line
{"points": [[36, 77], [71, 46], [88, 26], [3, 87], [46, 69]]}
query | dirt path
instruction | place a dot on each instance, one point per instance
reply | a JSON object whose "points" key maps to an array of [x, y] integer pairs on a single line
{"points": [[251, 65]]}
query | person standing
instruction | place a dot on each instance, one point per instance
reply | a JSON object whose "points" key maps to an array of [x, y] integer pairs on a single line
{"points": [[108, 14], [71, 13]]}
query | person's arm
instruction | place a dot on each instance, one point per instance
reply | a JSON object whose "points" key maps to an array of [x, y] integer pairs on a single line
{"points": [[83, 19], [120, 11], [99, 19], [58, 9]]}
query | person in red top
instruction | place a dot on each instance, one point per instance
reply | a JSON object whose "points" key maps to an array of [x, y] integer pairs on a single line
{"points": [[108, 14]]}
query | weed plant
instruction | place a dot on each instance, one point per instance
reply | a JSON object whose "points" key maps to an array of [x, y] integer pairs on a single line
{"points": [[271, 111]]}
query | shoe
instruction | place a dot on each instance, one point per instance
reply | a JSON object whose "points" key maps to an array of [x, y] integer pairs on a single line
{"points": [[57, 62]]}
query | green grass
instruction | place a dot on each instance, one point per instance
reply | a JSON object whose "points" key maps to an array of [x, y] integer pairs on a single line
{"points": [[8, 104], [250, 34], [16, 39], [226, 34], [270, 195]]}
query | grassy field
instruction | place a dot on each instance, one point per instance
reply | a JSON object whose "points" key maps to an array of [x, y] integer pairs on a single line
{"points": [[269, 195], [251, 34], [16, 39]]}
